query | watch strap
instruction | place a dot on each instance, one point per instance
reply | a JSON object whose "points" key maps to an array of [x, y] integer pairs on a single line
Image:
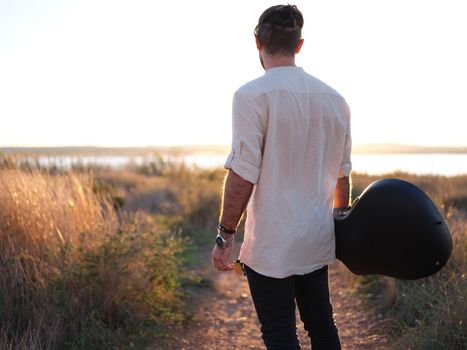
{"points": [[222, 228]]}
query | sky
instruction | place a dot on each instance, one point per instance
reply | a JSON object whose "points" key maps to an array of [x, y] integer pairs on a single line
{"points": [[153, 73]]}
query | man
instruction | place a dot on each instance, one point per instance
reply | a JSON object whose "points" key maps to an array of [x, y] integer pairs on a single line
{"points": [[290, 163]]}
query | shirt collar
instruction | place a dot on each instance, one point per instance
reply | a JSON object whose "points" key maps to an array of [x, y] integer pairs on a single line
{"points": [[283, 69]]}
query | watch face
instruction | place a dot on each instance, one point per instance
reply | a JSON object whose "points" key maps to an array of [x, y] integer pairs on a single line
{"points": [[220, 241]]}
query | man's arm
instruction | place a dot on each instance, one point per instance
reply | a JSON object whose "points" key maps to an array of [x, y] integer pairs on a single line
{"points": [[342, 193], [236, 194]]}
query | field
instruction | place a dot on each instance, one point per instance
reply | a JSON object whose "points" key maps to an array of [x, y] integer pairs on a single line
{"points": [[98, 258]]}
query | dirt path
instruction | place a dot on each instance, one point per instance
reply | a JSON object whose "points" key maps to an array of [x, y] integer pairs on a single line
{"points": [[224, 317]]}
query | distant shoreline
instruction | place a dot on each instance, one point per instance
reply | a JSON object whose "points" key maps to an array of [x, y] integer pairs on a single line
{"points": [[207, 149]]}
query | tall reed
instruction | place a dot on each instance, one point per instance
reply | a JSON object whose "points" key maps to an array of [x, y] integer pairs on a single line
{"points": [[73, 273]]}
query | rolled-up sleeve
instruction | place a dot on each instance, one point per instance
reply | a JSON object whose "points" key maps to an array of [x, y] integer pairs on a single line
{"points": [[247, 140], [346, 163]]}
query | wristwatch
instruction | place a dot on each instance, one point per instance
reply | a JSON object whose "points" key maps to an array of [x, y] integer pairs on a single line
{"points": [[222, 242]]}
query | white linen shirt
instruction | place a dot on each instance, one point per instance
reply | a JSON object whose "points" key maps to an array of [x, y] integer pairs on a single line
{"points": [[291, 139]]}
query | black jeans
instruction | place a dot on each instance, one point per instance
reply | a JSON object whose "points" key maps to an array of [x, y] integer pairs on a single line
{"points": [[274, 300]]}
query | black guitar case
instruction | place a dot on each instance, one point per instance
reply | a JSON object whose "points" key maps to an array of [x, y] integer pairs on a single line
{"points": [[393, 229]]}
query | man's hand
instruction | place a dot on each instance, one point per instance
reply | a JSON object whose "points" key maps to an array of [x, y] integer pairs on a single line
{"points": [[339, 213], [220, 257]]}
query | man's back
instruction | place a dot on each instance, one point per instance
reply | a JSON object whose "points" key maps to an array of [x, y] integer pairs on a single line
{"points": [[291, 138], [289, 165]]}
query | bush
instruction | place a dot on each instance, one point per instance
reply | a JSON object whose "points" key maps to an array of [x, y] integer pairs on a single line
{"points": [[74, 274]]}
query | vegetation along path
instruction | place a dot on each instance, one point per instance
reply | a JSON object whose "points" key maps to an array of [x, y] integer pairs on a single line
{"points": [[224, 317]]}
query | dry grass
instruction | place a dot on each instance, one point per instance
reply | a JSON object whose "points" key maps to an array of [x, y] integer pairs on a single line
{"points": [[44, 213], [446, 192], [73, 273]]}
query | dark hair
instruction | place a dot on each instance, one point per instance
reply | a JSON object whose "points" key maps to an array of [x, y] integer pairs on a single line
{"points": [[279, 29]]}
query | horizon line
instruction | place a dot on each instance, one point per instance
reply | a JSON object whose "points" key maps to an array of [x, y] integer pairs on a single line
{"points": [[190, 148], [363, 144]]}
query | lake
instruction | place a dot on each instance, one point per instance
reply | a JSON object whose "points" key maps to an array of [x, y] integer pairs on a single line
{"points": [[375, 164]]}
